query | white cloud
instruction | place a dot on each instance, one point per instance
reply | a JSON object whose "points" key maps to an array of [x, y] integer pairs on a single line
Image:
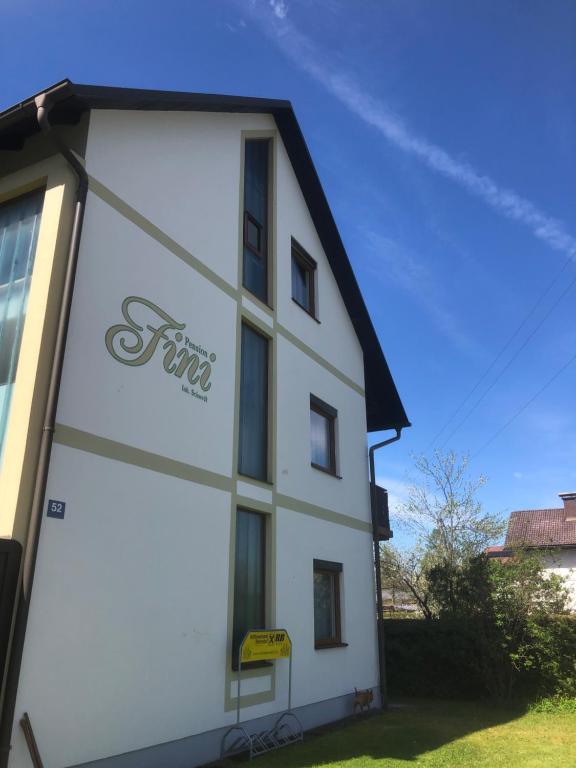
{"points": [[236, 27], [376, 113], [397, 492], [517, 475], [279, 8]]}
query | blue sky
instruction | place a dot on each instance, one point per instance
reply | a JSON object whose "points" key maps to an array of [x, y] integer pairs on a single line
{"points": [[444, 134]]}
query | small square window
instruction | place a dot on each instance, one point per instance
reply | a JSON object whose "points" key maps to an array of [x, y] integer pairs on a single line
{"points": [[327, 620], [303, 279], [253, 234], [322, 435]]}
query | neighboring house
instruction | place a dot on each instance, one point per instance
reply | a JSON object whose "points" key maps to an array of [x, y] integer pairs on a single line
{"points": [[551, 530], [208, 473]]}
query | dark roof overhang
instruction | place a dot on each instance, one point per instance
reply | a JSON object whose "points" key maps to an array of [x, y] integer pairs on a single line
{"points": [[384, 409]]}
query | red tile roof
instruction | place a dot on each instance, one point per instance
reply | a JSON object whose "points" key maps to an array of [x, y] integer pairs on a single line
{"points": [[541, 528]]}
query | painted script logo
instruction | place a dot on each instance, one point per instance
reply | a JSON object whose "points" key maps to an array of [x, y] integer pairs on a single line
{"points": [[134, 344]]}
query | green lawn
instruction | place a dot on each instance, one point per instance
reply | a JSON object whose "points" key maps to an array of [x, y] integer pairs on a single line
{"points": [[435, 734]]}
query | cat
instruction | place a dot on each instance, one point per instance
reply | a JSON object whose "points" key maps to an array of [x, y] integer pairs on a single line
{"points": [[363, 699]]}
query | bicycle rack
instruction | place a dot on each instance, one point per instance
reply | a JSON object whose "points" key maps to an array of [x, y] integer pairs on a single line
{"points": [[242, 743], [287, 728]]}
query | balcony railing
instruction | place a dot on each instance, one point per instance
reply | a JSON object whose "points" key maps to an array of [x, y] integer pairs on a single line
{"points": [[380, 512]]}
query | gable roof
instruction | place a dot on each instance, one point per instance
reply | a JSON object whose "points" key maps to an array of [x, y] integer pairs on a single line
{"points": [[384, 409], [540, 528]]}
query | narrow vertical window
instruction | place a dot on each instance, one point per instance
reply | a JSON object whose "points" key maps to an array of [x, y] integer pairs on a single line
{"points": [[19, 224], [255, 260], [253, 427], [249, 577], [322, 435], [327, 626], [303, 279]]}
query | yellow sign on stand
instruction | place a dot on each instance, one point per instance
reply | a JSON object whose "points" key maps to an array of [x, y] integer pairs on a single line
{"points": [[266, 645]]}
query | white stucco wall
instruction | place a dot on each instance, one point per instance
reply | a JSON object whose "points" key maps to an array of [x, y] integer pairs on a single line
{"points": [[184, 175], [348, 494], [334, 338], [563, 563], [325, 673], [127, 624], [181, 170], [127, 636], [145, 406]]}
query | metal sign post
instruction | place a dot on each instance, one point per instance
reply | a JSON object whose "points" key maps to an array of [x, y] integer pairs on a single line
{"points": [[264, 645], [239, 679]]}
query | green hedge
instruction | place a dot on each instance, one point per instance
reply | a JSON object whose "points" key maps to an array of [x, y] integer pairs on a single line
{"points": [[448, 658]]}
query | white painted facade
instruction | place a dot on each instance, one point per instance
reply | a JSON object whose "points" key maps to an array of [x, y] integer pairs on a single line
{"points": [[128, 640], [562, 562]]}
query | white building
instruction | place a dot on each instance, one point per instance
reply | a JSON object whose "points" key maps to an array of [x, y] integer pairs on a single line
{"points": [[553, 532], [208, 470]]}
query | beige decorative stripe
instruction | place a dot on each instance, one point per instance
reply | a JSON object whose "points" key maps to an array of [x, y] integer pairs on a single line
{"points": [[266, 317], [249, 503], [126, 210], [253, 300], [318, 359], [128, 454], [157, 234], [257, 322], [296, 505]]}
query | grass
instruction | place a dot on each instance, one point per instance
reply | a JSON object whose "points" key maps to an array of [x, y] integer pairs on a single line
{"points": [[433, 734], [565, 705]]}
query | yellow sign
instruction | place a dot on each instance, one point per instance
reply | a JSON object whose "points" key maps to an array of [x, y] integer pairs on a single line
{"points": [[264, 645]]}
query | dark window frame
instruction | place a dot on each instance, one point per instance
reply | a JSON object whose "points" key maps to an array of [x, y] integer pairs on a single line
{"points": [[261, 252], [334, 570], [264, 227], [307, 263], [264, 602], [330, 414], [266, 478]]}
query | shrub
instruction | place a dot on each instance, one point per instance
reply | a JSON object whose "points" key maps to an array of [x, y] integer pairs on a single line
{"points": [[456, 657], [431, 658]]}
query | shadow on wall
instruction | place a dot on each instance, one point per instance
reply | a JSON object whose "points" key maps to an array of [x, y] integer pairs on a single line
{"points": [[403, 733]]}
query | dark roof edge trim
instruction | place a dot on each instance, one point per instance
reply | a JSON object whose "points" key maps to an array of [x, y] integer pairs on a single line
{"points": [[384, 409]]}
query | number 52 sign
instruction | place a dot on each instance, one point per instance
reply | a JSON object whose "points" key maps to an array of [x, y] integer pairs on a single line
{"points": [[56, 509]]}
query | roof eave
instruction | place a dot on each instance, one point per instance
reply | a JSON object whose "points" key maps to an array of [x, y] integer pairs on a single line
{"points": [[384, 408]]}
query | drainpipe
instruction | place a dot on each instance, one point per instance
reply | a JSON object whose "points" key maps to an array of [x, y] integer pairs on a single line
{"points": [[376, 543], [31, 547]]}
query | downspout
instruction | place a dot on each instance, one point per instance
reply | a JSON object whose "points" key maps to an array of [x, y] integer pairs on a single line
{"points": [[33, 535], [376, 544]]}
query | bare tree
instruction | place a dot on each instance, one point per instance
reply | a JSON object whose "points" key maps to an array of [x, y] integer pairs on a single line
{"points": [[443, 513], [447, 522], [406, 571]]}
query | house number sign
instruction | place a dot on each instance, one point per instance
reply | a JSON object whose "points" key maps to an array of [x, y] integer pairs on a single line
{"points": [[56, 509]]}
